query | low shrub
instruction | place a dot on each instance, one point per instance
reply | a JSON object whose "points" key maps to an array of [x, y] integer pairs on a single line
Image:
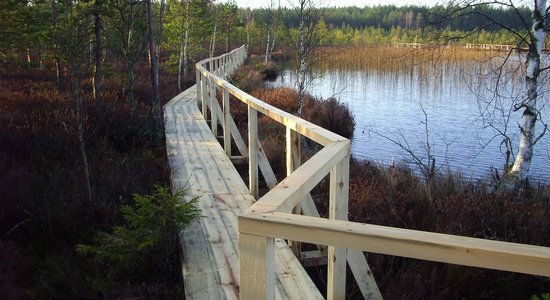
{"points": [[247, 79], [330, 114], [147, 242]]}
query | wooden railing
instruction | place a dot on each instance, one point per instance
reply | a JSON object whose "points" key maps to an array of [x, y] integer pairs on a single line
{"points": [[271, 216]]}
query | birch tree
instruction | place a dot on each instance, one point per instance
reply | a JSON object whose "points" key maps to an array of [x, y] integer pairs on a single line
{"points": [[214, 13], [306, 42], [270, 39], [530, 103], [183, 59]]}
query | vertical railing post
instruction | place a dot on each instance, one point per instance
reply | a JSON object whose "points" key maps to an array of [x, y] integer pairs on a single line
{"points": [[213, 102], [198, 85], [226, 122], [204, 80], [257, 267], [253, 151], [338, 210], [293, 161]]}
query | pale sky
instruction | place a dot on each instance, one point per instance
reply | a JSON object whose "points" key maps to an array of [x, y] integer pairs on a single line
{"points": [[339, 3]]}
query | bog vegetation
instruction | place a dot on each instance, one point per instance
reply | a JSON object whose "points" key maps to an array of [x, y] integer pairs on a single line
{"points": [[81, 86]]}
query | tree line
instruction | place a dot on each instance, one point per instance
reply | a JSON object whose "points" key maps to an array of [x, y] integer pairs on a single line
{"points": [[32, 31]]}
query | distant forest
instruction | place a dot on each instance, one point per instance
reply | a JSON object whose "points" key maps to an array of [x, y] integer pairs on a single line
{"points": [[409, 17]]}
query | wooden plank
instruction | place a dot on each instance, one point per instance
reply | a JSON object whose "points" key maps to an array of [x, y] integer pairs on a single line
{"points": [[253, 152], [363, 275], [257, 264], [338, 210], [265, 168], [431, 246], [294, 188], [313, 258]]}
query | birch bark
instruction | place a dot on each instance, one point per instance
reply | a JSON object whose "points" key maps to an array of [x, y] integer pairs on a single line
{"points": [[527, 140]]}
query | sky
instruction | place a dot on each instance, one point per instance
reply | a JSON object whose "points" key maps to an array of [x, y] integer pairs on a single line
{"points": [[359, 3]]}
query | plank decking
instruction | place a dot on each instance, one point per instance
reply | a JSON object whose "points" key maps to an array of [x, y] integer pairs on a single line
{"points": [[210, 263]]}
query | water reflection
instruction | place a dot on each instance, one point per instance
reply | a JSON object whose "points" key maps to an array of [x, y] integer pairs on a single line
{"points": [[388, 101]]}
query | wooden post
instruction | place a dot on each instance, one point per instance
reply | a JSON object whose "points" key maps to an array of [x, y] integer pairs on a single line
{"points": [[204, 80], [257, 267], [213, 103], [253, 151], [338, 210], [293, 161], [198, 85], [226, 122]]}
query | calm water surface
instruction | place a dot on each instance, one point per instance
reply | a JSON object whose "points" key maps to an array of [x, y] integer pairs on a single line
{"points": [[389, 104]]}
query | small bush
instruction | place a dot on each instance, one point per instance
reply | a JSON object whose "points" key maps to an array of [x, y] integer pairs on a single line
{"points": [[330, 114], [247, 79], [147, 243]]}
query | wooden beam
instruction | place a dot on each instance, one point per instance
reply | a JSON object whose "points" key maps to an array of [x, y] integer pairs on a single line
{"points": [[363, 275], [293, 161], [266, 169], [226, 121], [306, 128], [313, 258], [203, 98], [338, 210], [213, 113], [253, 152], [257, 267], [289, 192], [356, 259], [431, 246]]}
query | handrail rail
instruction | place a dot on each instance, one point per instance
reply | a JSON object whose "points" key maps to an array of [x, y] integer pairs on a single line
{"points": [[269, 217]]}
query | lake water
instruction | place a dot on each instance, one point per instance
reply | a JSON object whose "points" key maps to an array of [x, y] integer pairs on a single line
{"points": [[390, 103]]}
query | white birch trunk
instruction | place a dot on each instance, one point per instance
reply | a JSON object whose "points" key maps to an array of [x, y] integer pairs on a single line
{"points": [[527, 140], [186, 41], [272, 46], [180, 65], [267, 45], [213, 41]]}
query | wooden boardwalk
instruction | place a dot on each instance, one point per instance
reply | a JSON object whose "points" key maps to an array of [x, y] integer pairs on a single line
{"points": [[210, 245]]}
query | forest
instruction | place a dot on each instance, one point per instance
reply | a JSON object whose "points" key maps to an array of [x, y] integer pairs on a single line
{"points": [[83, 167]]}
